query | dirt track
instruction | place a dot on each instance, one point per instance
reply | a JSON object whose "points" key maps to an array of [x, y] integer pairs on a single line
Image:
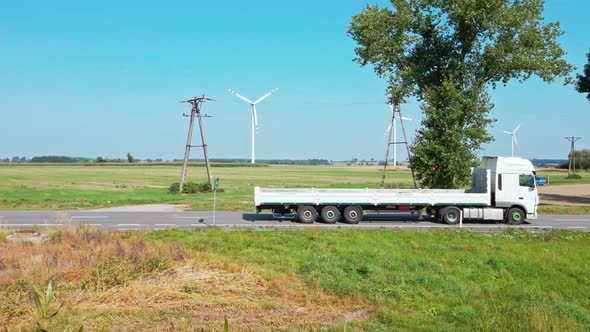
{"points": [[571, 194]]}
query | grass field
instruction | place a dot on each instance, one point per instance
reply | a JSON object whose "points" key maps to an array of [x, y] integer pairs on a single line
{"points": [[74, 187], [82, 186], [424, 281], [300, 280]]}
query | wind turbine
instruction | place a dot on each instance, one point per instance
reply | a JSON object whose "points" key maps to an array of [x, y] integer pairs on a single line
{"points": [[513, 134], [254, 116], [393, 126]]}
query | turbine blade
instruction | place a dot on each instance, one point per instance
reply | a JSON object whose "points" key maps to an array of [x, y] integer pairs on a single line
{"points": [[404, 118], [265, 96], [515, 129], [507, 132], [388, 130], [240, 96], [391, 108], [515, 140], [255, 116]]}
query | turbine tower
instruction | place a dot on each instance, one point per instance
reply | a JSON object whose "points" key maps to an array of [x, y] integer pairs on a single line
{"points": [[514, 140], [392, 126], [254, 116]]}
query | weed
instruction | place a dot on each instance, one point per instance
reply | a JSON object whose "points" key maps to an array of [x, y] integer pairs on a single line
{"points": [[43, 305], [56, 237]]}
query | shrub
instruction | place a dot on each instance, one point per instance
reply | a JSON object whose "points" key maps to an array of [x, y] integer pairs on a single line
{"points": [[173, 189], [191, 188]]}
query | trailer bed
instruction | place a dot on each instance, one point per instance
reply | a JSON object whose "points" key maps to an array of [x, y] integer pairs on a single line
{"points": [[478, 195]]}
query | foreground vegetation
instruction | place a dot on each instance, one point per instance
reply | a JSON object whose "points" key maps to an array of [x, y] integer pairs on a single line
{"points": [[30, 186], [376, 280], [118, 281], [435, 280]]}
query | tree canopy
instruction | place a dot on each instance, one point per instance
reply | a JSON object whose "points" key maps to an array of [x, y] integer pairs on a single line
{"points": [[583, 83], [446, 53]]}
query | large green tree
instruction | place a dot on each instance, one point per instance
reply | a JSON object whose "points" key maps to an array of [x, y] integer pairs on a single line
{"points": [[447, 54], [583, 83]]}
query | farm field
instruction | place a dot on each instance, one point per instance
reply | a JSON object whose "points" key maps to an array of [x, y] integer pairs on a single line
{"points": [[85, 187], [304, 280], [76, 186]]}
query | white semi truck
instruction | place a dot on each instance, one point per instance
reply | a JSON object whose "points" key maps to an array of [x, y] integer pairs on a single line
{"points": [[503, 189]]}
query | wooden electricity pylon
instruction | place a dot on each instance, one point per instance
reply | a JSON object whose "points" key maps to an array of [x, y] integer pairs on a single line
{"points": [[195, 111], [397, 113], [572, 157]]}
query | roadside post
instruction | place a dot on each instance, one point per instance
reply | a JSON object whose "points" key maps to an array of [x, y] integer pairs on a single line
{"points": [[215, 185], [460, 218]]}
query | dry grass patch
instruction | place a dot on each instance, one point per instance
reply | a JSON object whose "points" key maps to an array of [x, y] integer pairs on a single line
{"points": [[119, 282]]}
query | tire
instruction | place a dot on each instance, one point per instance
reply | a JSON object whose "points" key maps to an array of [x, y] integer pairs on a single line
{"points": [[330, 214], [516, 216], [353, 214], [307, 214], [450, 215]]}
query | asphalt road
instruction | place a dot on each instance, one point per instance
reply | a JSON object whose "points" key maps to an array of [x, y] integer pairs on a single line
{"points": [[123, 221]]}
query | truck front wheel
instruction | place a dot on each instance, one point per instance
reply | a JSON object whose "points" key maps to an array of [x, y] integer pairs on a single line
{"points": [[307, 214], [353, 214], [516, 216], [330, 214]]}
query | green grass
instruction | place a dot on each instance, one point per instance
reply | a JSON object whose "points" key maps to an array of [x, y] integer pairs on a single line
{"points": [[425, 281], [557, 177], [78, 186]]}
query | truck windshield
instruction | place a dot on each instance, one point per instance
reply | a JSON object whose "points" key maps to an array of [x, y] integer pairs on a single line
{"points": [[527, 180]]}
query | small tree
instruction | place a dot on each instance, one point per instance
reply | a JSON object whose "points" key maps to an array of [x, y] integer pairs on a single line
{"points": [[100, 159], [583, 83], [130, 157]]}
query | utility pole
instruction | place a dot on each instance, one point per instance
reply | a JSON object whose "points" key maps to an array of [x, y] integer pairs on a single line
{"points": [[572, 157], [195, 111], [396, 109]]}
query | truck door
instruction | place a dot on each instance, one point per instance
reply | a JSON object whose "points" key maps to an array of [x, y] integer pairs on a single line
{"points": [[527, 193]]}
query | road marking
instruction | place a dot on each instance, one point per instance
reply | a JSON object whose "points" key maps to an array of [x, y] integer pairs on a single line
{"points": [[131, 225], [89, 217], [189, 217], [577, 227], [93, 224], [572, 220], [198, 224], [165, 224], [44, 225]]}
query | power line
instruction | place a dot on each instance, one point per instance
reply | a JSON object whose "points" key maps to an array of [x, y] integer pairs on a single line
{"points": [[196, 104], [396, 114], [572, 156]]}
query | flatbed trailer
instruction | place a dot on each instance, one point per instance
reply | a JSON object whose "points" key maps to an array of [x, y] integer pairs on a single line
{"points": [[496, 193]]}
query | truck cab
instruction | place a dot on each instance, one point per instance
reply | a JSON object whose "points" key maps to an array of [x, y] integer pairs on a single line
{"points": [[513, 185]]}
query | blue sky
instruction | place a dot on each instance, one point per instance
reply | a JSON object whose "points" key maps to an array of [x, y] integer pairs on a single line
{"points": [[84, 78]]}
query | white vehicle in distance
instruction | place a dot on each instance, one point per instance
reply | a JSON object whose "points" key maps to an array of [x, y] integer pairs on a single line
{"points": [[503, 189]]}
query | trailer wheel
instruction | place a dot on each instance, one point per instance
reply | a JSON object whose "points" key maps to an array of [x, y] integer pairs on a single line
{"points": [[516, 216], [353, 214], [330, 214], [307, 214], [450, 215]]}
